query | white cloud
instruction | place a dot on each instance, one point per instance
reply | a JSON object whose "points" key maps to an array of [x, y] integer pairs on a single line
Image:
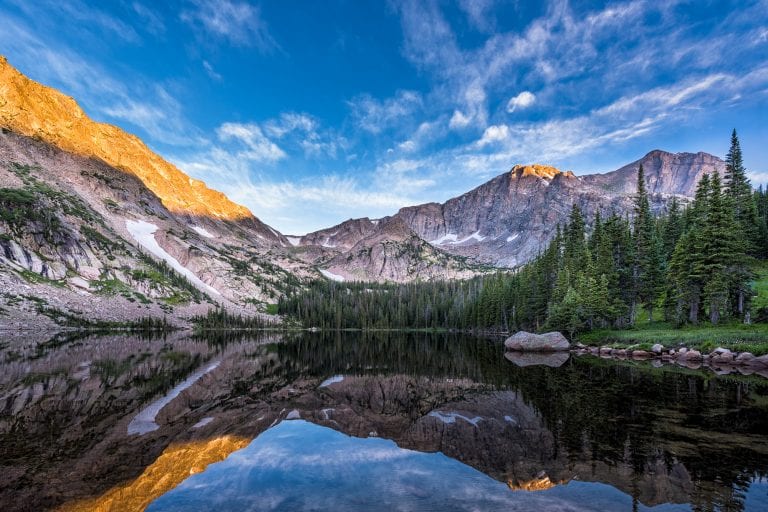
{"points": [[238, 23], [758, 178], [402, 177], [295, 206], [492, 134], [259, 147], [523, 100], [458, 120], [425, 134]]}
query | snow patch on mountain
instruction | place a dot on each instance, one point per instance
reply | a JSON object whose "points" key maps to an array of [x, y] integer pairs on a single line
{"points": [[513, 237], [331, 275], [452, 239], [203, 232], [447, 238], [293, 240], [144, 233]]}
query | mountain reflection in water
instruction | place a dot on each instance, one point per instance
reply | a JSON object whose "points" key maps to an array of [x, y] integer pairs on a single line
{"points": [[593, 434]]}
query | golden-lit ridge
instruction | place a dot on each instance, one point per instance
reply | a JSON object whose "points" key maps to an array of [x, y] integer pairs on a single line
{"points": [[32, 109], [172, 467], [542, 171]]}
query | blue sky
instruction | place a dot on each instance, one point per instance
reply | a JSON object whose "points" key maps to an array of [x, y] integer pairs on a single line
{"points": [[310, 113]]}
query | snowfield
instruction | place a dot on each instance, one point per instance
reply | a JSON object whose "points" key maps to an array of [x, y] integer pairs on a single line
{"points": [[452, 239], [203, 232], [144, 233], [331, 275], [294, 240]]}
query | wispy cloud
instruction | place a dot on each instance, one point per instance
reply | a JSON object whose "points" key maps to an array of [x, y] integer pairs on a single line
{"points": [[294, 206], [238, 23], [211, 72], [375, 116], [87, 17], [152, 21], [479, 13]]}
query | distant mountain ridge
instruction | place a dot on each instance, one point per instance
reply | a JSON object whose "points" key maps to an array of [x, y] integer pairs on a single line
{"points": [[508, 220]]}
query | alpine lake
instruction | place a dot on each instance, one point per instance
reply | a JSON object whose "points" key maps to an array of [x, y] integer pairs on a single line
{"points": [[379, 421]]}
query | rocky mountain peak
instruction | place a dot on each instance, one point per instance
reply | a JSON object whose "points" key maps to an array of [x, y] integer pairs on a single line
{"points": [[34, 110], [546, 172]]}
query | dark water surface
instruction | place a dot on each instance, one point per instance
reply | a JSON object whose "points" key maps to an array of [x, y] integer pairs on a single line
{"points": [[380, 421]]}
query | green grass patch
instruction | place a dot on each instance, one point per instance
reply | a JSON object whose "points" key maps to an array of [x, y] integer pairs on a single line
{"points": [[760, 286], [738, 337]]}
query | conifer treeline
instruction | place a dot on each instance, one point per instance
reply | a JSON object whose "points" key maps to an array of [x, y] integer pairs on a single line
{"points": [[691, 263]]}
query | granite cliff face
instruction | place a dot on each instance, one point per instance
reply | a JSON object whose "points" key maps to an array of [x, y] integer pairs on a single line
{"points": [[508, 220]]}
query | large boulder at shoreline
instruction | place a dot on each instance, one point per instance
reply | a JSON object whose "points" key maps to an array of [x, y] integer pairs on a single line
{"points": [[528, 342], [690, 356]]}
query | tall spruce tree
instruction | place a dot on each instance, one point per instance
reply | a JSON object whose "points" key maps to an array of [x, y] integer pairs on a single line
{"points": [[672, 228], [722, 253], [647, 268], [739, 192], [686, 274]]}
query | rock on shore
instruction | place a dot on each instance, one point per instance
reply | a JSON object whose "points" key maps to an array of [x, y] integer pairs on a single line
{"points": [[529, 342]]}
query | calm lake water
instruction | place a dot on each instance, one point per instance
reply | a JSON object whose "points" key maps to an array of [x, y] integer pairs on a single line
{"points": [[380, 421]]}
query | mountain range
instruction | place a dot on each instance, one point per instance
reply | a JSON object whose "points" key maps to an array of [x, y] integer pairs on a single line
{"points": [[94, 223]]}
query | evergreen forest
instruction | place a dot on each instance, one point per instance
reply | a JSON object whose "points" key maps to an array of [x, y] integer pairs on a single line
{"points": [[692, 263]]}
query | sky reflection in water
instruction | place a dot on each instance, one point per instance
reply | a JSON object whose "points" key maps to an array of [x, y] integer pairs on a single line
{"points": [[298, 465]]}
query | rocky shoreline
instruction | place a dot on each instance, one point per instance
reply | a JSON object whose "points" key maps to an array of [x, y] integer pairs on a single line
{"points": [[529, 349], [721, 360]]}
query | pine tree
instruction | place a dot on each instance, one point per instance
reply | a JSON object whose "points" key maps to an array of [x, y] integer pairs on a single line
{"points": [[740, 195], [673, 228], [686, 269], [647, 270], [721, 252]]}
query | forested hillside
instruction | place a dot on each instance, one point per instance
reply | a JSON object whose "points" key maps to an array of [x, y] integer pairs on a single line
{"points": [[689, 265]]}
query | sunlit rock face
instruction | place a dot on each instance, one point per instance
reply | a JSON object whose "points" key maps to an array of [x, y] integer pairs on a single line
{"points": [[32, 109]]}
